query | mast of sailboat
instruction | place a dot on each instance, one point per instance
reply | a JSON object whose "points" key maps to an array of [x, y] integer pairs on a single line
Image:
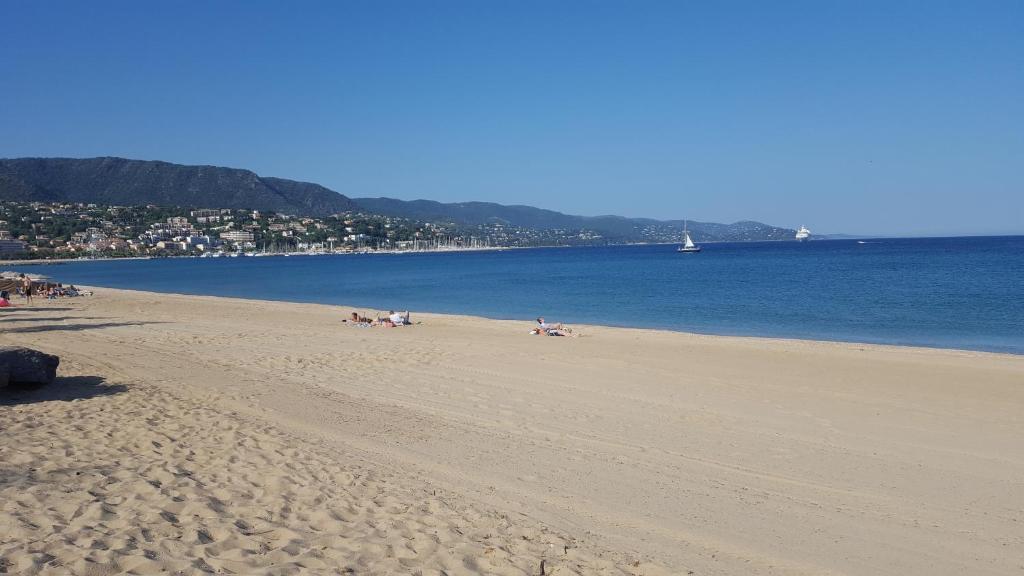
{"points": [[687, 242]]}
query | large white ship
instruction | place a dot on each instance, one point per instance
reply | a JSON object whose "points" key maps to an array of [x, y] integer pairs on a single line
{"points": [[803, 234]]}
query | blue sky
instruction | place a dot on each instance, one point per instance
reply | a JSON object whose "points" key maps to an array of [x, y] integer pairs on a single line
{"points": [[868, 117]]}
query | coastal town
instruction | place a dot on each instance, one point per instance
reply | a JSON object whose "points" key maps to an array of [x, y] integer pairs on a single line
{"points": [[67, 230]]}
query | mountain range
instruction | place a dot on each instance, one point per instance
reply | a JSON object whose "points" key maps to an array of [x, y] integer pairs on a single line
{"points": [[124, 182], [611, 228]]}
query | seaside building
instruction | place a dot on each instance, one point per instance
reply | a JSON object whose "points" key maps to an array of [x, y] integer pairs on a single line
{"points": [[196, 240], [10, 247], [237, 236], [171, 245]]}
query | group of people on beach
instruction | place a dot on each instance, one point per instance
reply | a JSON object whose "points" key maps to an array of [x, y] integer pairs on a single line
{"points": [[392, 320], [29, 289], [395, 319]]}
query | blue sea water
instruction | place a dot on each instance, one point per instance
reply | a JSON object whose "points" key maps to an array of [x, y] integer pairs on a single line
{"points": [[943, 292]]}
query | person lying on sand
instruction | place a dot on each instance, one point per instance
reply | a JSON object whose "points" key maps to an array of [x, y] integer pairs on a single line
{"points": [[396, 319], [358, 320], [545, 329]]}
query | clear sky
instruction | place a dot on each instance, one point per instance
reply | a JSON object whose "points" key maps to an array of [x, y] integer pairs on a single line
{"points": [[847, 116]]}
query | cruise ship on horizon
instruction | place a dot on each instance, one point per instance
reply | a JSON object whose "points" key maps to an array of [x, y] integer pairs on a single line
{"points": [[803, 234]]}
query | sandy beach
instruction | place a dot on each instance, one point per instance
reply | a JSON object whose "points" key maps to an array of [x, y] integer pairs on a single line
{"points": [[197, 434]]}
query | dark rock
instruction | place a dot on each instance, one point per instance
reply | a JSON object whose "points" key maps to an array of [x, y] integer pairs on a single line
{"points": [[20, 365]]}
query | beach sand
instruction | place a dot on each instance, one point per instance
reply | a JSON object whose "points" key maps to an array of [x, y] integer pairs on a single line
{"points": [[197, 434]]}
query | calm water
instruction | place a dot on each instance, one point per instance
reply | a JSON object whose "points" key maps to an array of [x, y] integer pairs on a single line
{"points": [[944, 292]]}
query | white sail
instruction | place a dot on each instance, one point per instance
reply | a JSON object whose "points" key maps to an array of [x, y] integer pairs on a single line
{"points": [[688, 245]]}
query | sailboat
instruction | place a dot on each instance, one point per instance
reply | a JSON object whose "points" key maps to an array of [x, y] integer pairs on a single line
{"points": [[688, 245]]}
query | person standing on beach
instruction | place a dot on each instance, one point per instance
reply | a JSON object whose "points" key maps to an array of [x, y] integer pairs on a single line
{"points": [[26, 284]]}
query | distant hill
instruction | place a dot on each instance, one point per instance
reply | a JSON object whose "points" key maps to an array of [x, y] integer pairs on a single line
{"points": [[122, 182], [613, 228]]}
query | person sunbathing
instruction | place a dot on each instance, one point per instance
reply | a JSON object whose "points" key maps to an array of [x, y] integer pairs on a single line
{"points": [[355, 318], [545, 329]]}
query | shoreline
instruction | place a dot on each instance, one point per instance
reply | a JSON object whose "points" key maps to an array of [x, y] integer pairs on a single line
{"points": [[754, 301], [392, 252], [525, 321], [845, 238]]}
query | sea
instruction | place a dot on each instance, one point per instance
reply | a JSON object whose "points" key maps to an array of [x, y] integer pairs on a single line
{"points": [[964, 293]]}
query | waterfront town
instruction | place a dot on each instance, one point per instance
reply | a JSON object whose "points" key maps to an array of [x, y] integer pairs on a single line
{"points": [[63, 230]]}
